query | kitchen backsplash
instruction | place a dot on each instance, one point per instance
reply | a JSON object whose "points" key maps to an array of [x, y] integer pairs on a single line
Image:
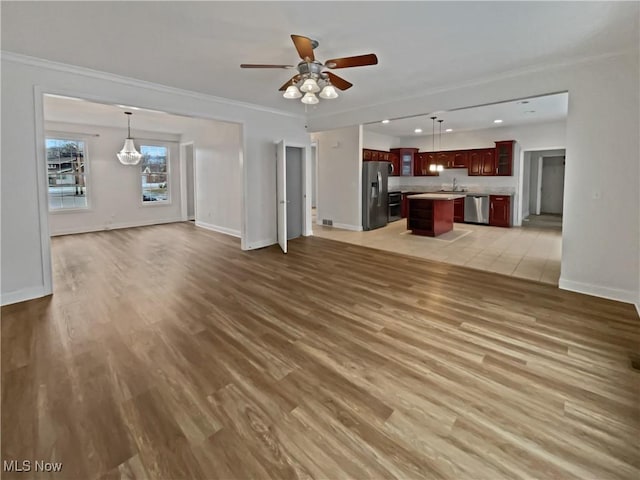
{"points": [[498, 185]]}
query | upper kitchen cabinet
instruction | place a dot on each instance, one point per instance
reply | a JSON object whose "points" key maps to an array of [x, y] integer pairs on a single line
{"points": [[422, 164], [504, 158], [460, 159], [369, 155], [394, 158], [406, 157], [488, 161], [482, 161], [445, 159]]}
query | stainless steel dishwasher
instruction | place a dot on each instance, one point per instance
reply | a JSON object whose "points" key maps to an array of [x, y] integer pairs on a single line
{"points": [[476, 208]]}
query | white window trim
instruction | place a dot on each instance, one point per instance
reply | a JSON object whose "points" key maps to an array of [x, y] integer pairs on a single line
{"points": [[169, 174], [63, 135]]}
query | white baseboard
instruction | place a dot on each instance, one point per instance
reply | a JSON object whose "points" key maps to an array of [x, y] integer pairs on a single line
{"points": [[23, 295], [346, 226], [216, 228], [261, 243], [113, 226], [626, 296]]}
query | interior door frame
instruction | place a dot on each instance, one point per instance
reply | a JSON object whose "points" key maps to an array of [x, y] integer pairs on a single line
{"points": [[305, 150], [183, 181], [281, 195], [520, 184]]}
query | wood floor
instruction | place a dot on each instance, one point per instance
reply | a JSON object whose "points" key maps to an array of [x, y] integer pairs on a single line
{"points": [[168, 353]]}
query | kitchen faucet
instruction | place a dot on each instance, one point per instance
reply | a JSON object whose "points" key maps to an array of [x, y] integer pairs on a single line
{"points": [[455, 186]]}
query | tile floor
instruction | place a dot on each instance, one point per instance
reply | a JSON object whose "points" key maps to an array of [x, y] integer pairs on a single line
{"points": [[532, 253]]}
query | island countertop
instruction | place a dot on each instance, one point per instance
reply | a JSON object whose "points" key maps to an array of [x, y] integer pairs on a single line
{"points": [[435, 196]]}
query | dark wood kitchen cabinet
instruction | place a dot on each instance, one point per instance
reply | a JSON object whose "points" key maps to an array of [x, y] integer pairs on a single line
{"points": [[460, 159], [458, 210], [482, 162], [422, 164], [504, 158], [445, 159], [406, 157], [500, 210], [488, 161], [475, 162], [405, 206], [395, 164]]}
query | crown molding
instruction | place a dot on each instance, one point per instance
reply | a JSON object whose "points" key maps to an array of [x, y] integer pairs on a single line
{"points": [[541, 67], [132, 82]]}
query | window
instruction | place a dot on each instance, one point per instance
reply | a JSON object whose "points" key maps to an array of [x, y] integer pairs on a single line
{"points": [[66, 173], [154, 169]]}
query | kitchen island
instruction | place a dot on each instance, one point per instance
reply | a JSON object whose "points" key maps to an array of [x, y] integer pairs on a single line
{"points": [[431, 214]]}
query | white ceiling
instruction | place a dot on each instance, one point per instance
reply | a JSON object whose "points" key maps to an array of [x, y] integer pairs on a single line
{"points": [[548, 108], [198, 46]]}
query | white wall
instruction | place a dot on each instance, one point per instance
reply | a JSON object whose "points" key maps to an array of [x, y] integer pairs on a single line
{"points": [[25, 263], [340, 177], [379, 141], [218, 166], [602, 131], [113, 189]]}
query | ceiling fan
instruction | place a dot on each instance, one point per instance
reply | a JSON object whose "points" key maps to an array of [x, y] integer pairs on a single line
{"points": [[312, 76]]}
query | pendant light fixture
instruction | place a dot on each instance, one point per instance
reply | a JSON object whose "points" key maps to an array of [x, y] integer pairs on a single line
{"points": [[433, 167], [129, 155]]}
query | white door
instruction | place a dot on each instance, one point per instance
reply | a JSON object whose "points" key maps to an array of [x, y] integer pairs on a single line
{"points": [[281, 193]]}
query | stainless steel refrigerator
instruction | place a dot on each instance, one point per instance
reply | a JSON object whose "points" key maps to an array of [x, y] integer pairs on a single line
{"points": [[375, 195]]}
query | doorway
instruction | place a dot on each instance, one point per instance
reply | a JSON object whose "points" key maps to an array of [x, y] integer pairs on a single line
{"points": [[295, 196], [552, 185], [543, 189]]}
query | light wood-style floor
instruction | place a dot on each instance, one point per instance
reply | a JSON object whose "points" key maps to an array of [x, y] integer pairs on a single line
{"points": [[166, 352]]}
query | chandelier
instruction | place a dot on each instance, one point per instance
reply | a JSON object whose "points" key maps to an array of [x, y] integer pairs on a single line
{"points": [[129, 155]]}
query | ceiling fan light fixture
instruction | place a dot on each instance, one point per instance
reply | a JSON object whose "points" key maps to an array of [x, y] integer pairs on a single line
{"points": [[292, 92], [310, 86], [328, 92], [310, 98]]}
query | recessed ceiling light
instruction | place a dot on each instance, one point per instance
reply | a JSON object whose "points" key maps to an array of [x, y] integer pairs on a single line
{"points": [[418, 130], [128, 107], [385, 121], [497, 121], [449, 130]]}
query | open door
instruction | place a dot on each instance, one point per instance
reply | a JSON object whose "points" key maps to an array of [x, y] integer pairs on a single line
{"points": [[281, 193]]}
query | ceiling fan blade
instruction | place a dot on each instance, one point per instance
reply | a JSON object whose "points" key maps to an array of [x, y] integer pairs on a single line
{"points": [[358, 61], [291, 81], [304, 47], [339, 82], [259, 65]]}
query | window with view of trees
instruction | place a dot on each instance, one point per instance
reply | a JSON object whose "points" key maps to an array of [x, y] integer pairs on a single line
{"points": [[66, 173], [155, 173]]}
